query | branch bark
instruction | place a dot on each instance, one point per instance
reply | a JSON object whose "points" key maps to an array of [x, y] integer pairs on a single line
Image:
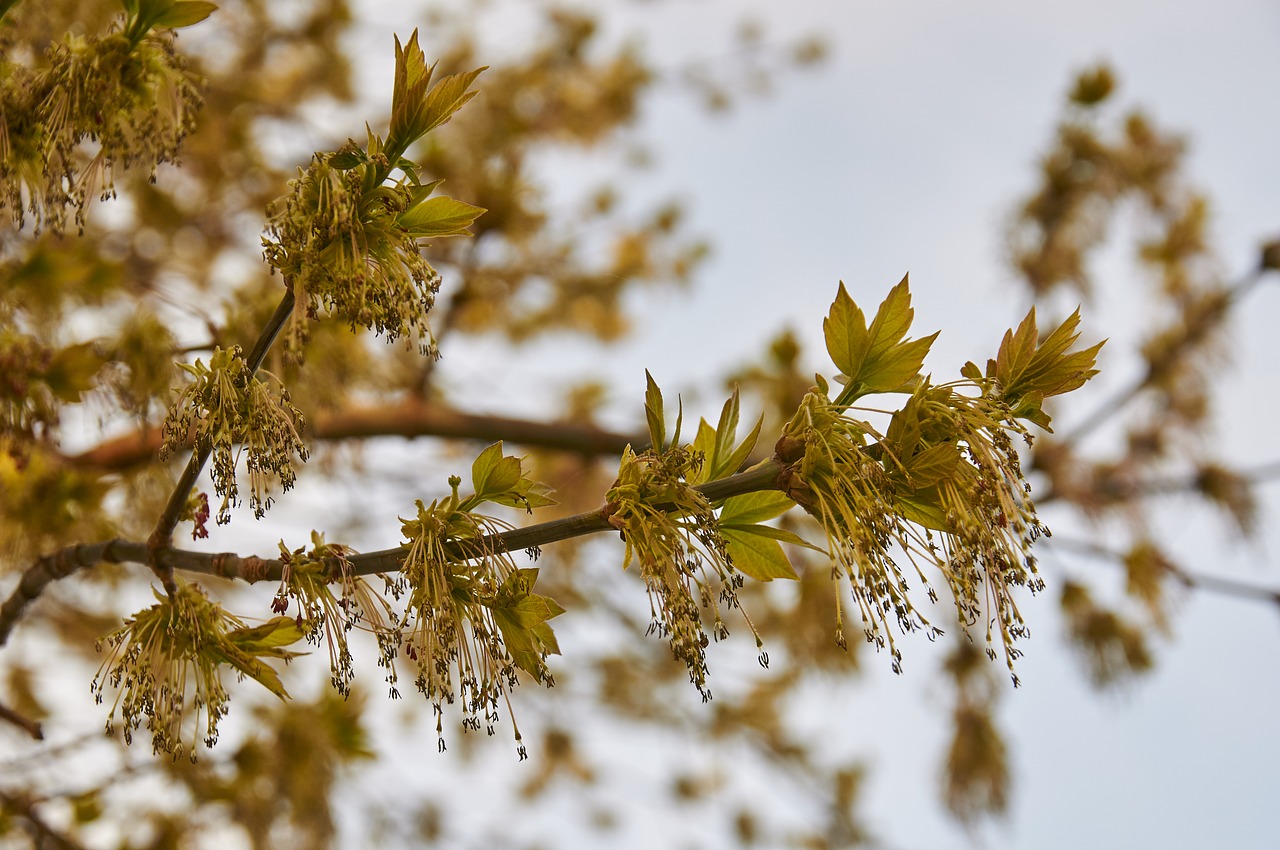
{"points": [[251, 569], [412, 417]]}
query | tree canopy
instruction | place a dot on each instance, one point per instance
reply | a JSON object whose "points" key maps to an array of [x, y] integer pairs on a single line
{"points": [[215, 300]]}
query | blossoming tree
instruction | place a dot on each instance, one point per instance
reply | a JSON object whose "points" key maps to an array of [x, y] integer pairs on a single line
{"points": [[896, 500]]}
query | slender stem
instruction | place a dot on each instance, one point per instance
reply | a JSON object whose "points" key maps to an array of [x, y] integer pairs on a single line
{"points": [[1108, 410], [168, 521], [1203, 581], [26, 724]]}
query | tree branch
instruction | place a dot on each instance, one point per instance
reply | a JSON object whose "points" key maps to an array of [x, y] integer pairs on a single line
{"points": [[251, 568], [26, 724], [411, 417], [1214, 584], [1125, 395], [42, 834]]}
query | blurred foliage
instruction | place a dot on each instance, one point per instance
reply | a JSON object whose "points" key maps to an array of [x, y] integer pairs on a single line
{"points": [[171, 270]]}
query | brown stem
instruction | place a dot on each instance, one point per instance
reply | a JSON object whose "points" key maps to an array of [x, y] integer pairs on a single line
{"points": [[26, 724], [411, 417]]}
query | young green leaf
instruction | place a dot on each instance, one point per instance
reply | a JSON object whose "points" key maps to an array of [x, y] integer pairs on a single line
{"points": [[184, 13], [275, 633], [653, 413], [933, 464], [492, 474], [447, 97], [924, 507], [756, 555], [874, 359], [760, 506], [522, 618], [704, 443], [754, 549], [441, 216], [1029, 373]]}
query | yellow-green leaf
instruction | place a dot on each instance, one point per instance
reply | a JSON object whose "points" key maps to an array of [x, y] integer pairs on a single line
{"points": [[932, 465], [756, 555], [442, 216], [751, 508], [653, 413], [184, 13], [276, 632], [924, 507]]}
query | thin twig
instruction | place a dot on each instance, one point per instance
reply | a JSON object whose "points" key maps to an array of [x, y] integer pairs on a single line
{"points": [[26, 724], [1214, 584], [1121, 399]]}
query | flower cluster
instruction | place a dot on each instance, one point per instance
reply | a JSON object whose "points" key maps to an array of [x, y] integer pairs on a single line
{"points": [[168, 660], [670, 530], [129, 92], [833, 474], [321, 614], [225, 406], [346, 236], [340, 249], [471, 619], [943, 486]]}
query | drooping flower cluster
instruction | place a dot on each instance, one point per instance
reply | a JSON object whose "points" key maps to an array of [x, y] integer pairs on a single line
{"points": [[168, 662], [129, 92], [471, 619], [346, 236], [943, 486], [833, 474], [226, 410], [340, 250], [321, 614], [671, 531]]}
